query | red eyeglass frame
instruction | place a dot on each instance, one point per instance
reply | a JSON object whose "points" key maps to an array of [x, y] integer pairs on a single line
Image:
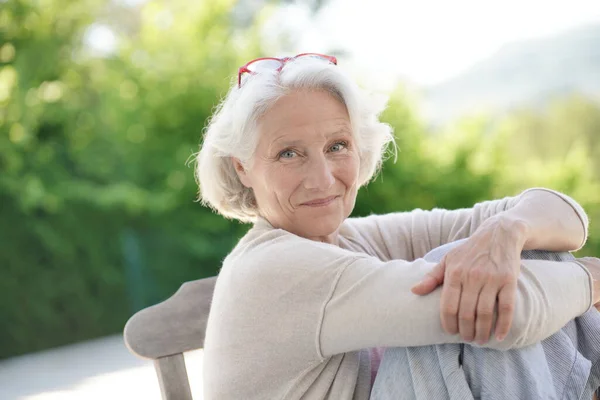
{"points": [[244, 69]]}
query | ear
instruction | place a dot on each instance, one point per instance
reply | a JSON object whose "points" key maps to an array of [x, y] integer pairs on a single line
{"points": [[242, 173]]}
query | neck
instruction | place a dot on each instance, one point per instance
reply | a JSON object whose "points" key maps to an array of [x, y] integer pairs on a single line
{"points": [[332, 238]]}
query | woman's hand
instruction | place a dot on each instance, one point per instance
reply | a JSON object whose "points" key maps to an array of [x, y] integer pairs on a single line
{"points": [[477, 274]]}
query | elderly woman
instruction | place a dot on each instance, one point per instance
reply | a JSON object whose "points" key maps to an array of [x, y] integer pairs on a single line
{"points": [[309, 299]]}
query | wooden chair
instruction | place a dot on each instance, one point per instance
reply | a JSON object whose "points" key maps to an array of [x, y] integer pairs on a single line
{"points": [[165, 331]]}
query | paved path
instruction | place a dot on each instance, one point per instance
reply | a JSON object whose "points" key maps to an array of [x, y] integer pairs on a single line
{"points": [[94, 370]]}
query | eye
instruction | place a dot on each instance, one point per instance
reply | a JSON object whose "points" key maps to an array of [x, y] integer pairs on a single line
{"points": [[287, 154], [337, 147]]}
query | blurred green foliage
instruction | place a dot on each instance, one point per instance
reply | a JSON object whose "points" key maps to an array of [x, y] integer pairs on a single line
{"points": [[97, 200]]}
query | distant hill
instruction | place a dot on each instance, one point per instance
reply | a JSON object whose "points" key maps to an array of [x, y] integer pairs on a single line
{"points": [[523, 74]]}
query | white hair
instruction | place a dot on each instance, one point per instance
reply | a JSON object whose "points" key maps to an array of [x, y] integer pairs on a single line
{"points": [[232, 131]]}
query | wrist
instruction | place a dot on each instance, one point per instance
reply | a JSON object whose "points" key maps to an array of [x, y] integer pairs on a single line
{"points": [[516, 230]]}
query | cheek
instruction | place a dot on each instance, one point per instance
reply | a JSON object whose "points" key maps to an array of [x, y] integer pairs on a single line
{"points": [[281, 181], [348, 171]]}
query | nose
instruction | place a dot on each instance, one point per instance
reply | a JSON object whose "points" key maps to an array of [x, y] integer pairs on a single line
{"points": [[319, 174]]}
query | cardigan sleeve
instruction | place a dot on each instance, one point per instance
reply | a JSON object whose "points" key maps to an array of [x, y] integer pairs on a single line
{"points": [[372, 299], [411, 235]]}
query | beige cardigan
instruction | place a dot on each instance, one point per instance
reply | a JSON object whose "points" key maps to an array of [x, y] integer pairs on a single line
{"points": [[291, 318]]}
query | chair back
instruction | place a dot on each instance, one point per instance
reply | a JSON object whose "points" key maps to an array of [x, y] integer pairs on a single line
{"points": [[165, 331]]}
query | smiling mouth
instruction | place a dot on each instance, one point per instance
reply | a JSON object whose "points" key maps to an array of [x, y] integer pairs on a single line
{"points": [[320, 202]]}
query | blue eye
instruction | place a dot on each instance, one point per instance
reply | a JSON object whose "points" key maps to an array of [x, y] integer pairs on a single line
{"points": [[339, 146], [287, 154]]}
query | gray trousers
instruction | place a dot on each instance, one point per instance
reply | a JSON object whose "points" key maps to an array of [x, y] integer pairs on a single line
{"points": [[566, 365]]}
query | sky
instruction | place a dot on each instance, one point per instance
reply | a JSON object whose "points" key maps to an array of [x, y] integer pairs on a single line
{"points": [[422, 42], [428, 41]]}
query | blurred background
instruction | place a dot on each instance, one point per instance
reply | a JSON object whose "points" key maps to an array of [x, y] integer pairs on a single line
{"points": [[103, 103]]}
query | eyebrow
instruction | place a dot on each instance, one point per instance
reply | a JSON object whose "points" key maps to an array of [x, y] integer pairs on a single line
{"points": [[279, 141]]}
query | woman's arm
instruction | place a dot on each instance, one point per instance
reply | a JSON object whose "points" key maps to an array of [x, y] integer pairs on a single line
{"points": [[484, 269], [411, 235], [546, 220], [371, 305]]}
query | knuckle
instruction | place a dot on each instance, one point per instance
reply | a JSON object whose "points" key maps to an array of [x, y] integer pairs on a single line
{"points": [[449, 327], [507, 307], [485, 313], [506, 277], [455, 274], [476, 274], [449, 310], [467, 317]]}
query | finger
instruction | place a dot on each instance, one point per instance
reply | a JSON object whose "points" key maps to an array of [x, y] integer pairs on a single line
{"points": [[466, 312], [485, 313], [432, 280], [506, 308], [450, 300]]}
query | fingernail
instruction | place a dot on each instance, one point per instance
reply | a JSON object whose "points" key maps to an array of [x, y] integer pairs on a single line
{"points": [[500, 338]]}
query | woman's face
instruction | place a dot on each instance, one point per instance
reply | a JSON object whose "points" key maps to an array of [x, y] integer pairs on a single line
{"points": [[305, 169]]}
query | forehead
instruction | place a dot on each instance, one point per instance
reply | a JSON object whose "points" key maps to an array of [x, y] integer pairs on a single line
{"points": [[304, 112]]}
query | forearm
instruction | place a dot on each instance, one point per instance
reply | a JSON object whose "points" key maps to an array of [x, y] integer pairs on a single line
{"points": [[546, 221], [377, 306], [550, 293]]}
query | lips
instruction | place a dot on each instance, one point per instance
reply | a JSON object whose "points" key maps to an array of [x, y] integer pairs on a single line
{"points": [[320, 202]]}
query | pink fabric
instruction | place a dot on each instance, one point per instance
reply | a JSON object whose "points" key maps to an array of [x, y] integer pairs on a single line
{"points": [[376, 354]]}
